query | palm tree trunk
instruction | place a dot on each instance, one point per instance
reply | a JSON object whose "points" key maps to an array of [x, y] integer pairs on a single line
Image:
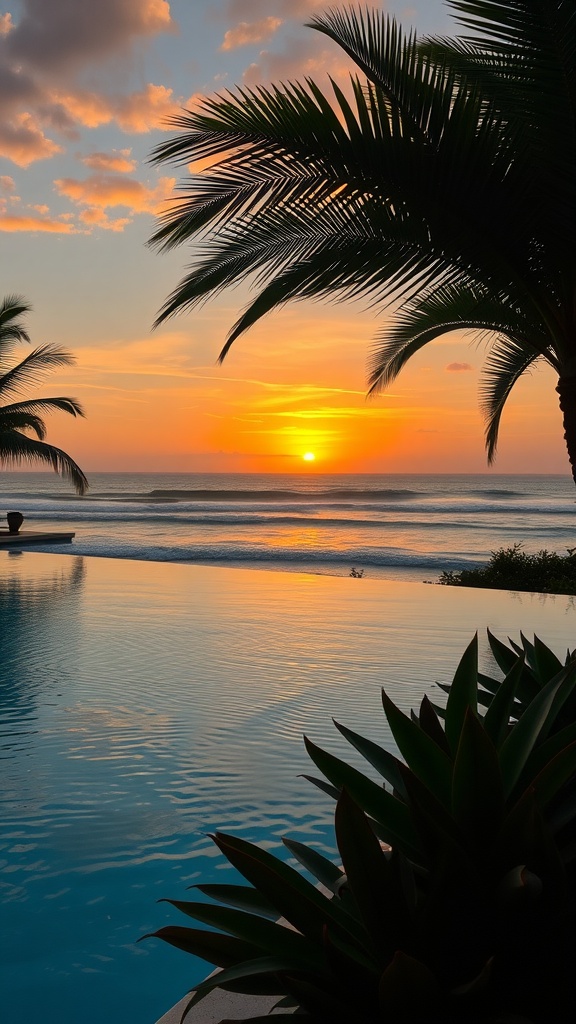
{"points": [[566, 388]]}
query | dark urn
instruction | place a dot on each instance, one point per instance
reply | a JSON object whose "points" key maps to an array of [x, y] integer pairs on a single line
{"points": [[15, 520]]}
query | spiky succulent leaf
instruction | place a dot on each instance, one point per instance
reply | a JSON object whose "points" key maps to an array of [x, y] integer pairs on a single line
{"points": [[381, 759], [463, 693], [385, 808], [295, 899], [477, 789], [423, 755], [323, 870], [242, 897]]}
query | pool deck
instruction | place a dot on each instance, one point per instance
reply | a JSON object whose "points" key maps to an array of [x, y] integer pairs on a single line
{"points": [[219, 1005], [33, 537]]}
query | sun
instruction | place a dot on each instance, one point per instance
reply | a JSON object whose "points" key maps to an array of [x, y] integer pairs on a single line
{"points": [[309, 457]]}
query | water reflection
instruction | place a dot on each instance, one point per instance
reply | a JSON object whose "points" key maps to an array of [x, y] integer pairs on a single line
{"points": [[35, 608]]}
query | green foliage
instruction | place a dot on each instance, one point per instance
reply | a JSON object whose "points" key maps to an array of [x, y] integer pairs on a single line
{"points": [[20, 419], [453, 899], [545, 572]]}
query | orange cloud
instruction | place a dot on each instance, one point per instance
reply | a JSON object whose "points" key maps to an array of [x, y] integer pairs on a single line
{"points": [[116, 161], [23, 142], [458, 367], [26, 223], [6, 24], [245, 33], [58, 35], [300, 57], [7, 184], [142, 111], [106, 190], [94, 217]]}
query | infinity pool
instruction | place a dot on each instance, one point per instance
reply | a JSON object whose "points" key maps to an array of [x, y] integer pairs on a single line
{"points": [[143, 705]]}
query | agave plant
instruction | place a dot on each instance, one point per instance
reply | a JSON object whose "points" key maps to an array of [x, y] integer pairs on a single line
{"points": [[465, 911]]}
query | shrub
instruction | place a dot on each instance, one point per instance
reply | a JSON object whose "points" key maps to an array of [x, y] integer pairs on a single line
{"points": [[545, 572]]}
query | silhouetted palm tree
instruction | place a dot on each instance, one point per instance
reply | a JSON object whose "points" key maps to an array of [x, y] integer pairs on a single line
{"points": [[17, 418], [446, 186]]}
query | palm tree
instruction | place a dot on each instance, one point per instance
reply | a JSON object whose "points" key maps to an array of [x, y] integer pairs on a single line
{"points": [[444, 186], [16, 418]]}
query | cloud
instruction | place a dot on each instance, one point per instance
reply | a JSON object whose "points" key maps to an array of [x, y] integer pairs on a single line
{"points": [[7, 184], [137, 112], [105, 191], [251, 10], [27, 223], [299, 57], [458, 367], [6, 24], [246, 33], [23, 142], [44, 57], [53, 37], [117, 161], [95, 217]]}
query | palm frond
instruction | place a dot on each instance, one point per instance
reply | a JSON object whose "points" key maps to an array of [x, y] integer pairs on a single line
{"points": [[16, 449], [14, 419], [33, 368], [11, 329], [463, 306], [507, 361]]}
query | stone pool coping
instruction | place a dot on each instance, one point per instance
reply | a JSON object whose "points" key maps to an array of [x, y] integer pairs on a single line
{"points": [[218, 1005]]}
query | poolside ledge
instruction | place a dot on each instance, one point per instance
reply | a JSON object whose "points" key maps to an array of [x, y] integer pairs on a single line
{"points": [[32, 537], [219, 1005]]}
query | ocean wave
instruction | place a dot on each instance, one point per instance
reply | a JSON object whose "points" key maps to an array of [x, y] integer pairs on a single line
{"points": [[334, 494], [258, 554]]}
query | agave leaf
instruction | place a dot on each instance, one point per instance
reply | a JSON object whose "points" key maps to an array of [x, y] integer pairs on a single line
{"points": [[435, 825], [243, 897], [261, 933], [544, 752], [530, 656], [431, 725], [497, 718], [477, 790], [517, 648], [553, 776], [547, 664], [522, 838], [386, 809], [382, 760], [221, 950], [323, 1003], [537, 717], [484, 699], [327, 873], [490, 684], [282, 1004], [563, 814], [463, 693], [348, 961], [326, 787], [423, 755], [409, 991], [369, 878], [245, 971], [296, 899], [504, 657]]}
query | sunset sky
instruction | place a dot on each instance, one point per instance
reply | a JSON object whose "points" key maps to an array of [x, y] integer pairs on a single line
{"points": [[86, 88]]}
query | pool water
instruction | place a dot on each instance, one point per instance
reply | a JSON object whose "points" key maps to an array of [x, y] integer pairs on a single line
{"points": [[143, 705]]}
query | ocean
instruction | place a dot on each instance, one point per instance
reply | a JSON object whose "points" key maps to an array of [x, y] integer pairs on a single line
{"points": [[404, 527]]}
